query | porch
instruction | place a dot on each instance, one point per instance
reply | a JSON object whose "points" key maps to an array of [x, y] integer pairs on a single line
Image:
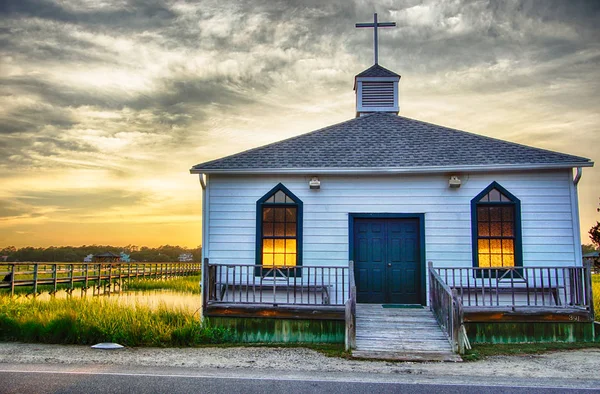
{"points": [[318, 304], [237, 290], [278, 304], [513, 304]]}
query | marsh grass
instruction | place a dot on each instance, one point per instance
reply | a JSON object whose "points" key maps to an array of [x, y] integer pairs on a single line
{"points": [[89, 321], [184, 284], [24, 290]]}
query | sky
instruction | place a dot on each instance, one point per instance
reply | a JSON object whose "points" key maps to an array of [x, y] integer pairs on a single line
{"points": [[105, 105]]}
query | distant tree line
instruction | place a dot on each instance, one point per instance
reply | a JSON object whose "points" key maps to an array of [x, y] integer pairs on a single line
{"points": [[587, 248], [78, 253], [594, 234]]}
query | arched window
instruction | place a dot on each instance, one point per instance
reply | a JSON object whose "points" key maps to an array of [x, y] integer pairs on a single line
{"points": [[496, 228], [279, 229]]}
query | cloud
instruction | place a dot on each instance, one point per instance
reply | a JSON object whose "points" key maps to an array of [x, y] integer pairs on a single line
{"points": [[133, 14], [79, 200]]}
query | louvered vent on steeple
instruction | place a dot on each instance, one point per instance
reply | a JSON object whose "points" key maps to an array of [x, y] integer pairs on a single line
{"points": [[377, 94], [376, 91]]}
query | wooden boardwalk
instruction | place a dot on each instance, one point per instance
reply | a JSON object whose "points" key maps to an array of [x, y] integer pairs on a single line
{"points": [[93, 274], [403, 334]]}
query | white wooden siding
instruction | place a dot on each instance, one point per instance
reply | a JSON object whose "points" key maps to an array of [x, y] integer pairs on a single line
{"points": [[549, 236]]}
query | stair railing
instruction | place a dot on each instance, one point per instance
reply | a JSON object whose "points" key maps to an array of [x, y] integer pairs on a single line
{"points": [[350, 310], [447, 308]]}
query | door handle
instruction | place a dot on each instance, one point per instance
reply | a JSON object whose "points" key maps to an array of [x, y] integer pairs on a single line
{"points": [[389, 264]]}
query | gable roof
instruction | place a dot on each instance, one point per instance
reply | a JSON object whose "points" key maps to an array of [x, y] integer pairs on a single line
{"points": [[377, 71], [107, 254], [381, 143]]}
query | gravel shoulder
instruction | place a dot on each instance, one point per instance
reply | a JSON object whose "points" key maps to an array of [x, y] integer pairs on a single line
{"points": [[572, 365]]}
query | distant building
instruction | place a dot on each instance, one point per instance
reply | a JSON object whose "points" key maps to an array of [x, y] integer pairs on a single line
{"points": [[591, 255], [125, 258], [89, 258], [186, 257], [107, 257]]}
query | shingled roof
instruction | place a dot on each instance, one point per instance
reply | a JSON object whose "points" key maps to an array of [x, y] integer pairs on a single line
{"points": [[377, 71], [382, 142]]}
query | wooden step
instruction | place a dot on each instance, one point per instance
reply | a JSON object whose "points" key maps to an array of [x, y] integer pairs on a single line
{"points": [[406, 356], [402, 334]]}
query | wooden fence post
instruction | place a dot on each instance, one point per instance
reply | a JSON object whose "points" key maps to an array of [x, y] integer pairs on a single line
{"points": [[110, 266], [98, 279], [588, 291], [12, 279], [71, 273], [54, 276], [35, 279], [205, 289]]}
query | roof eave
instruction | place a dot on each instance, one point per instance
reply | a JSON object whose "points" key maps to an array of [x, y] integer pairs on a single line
{"points": [[392, 170]]}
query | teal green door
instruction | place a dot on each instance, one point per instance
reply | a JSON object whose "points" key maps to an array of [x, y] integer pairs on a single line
{"points": [[387, 260]]}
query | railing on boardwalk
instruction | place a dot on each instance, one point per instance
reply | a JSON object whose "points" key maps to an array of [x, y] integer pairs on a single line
{"points": [[448, 310], [257, 284], [90, 274], [533, 287]]}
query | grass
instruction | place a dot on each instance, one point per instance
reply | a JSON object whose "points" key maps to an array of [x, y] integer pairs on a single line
{"points": [[184, 284], [86, 321], [480, 352], [92, 320]]}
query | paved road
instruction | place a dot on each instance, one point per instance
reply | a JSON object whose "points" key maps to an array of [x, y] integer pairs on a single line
{"points": [[23, 378]]}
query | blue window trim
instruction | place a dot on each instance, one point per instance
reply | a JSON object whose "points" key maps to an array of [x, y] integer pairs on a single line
{"points": [[514, 201], [419, 216], [299, 209]]}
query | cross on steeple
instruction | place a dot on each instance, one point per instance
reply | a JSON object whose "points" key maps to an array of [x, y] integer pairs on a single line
{"points": [[376, 25]]}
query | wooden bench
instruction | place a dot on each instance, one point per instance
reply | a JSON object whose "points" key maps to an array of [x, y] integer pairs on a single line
{"points": [[534, 294]]}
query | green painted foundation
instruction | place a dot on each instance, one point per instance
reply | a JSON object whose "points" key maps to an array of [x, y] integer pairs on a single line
{"points": [[253, 330], [514, 332]]}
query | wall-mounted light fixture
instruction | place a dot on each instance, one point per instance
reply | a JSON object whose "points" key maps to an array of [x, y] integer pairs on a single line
{"points": [[314, 183], [454, 182]]}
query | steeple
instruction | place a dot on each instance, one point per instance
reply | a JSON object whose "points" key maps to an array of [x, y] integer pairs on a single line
{"points": [[376, 87]]}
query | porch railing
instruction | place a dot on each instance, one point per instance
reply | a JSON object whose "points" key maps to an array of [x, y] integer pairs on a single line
{"points": [[555, 287], [257, 284]]}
